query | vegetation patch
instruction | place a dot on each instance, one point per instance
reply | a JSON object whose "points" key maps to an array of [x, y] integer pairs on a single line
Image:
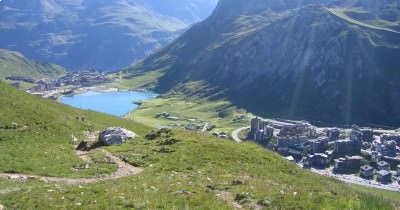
{"points": [[190, 173]]}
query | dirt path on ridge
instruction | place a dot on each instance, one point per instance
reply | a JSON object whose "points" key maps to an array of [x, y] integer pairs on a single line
{"points": [[123, 170]]}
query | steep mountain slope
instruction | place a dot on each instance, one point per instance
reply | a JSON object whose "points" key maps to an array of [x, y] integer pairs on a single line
{"points": [[94, 34], [176, 173], [331, 61], [15, 64]]}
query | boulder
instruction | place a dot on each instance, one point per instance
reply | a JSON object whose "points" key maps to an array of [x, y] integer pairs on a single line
{"points": [[115, 135]]}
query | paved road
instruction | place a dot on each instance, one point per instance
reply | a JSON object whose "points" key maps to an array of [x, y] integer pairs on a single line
{"points": [[235, 133], [358, 180]]}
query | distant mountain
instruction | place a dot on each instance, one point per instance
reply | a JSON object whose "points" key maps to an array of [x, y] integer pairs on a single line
{"points": [[15, 64], [101, 34], [332, 61]]}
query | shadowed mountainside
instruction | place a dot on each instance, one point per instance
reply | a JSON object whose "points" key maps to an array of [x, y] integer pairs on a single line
{"points": [[330, 61]]}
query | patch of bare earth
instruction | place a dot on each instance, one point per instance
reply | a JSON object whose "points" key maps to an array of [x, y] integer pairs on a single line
{"points": [[229, 198], [123, 169]]}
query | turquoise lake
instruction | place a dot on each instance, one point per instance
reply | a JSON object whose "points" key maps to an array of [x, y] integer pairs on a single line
{"points": [[114, 103]]}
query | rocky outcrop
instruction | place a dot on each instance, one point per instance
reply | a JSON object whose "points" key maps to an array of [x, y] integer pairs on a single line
{"points": [[115, 135]]}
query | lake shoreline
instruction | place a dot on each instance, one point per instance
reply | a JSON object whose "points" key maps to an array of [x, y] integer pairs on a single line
{"points": [[112, 101]]}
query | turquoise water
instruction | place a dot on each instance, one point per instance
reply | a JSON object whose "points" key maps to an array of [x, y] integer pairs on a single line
{"points": [[114, 103]]}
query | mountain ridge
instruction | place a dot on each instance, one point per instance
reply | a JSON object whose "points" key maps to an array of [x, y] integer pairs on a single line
{"points": [[295, 63], [84, 34], [15, 64]]}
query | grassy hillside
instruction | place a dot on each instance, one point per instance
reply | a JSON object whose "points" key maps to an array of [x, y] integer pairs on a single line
{"points": [[191, 109], [42, 142], [182, 170], [15, 64]]}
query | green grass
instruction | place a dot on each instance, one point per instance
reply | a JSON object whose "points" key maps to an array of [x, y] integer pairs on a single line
{"points": [[190, 111], [205, 167], [136, 80], [189, 173], [42, 143], [383, 194], [15, 64], [243, 135]]}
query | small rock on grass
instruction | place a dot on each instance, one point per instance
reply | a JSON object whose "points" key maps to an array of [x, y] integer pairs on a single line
{"points": [[184, 192], [237, 182]]}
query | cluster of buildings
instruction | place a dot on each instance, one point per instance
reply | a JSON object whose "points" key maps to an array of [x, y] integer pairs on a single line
{"points": [[387, 145], [85, 78], [345, 149], [260, 129], [382, 171], [65, 85]]}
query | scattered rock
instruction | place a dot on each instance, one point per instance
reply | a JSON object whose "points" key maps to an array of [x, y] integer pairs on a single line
{"points": [[168, 141], [166, 150], [74, 139], [237, 182], [211, 188], [156, 134], [264, 202], [1, 207], [14, 125], [184, 192], [18, 178], [82, 146], [242, 198], [115, 135], [81, 118], [44, 180]]}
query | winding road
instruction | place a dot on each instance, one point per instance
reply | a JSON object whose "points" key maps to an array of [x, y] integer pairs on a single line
{"points": [[235, 134], [352, 179]]}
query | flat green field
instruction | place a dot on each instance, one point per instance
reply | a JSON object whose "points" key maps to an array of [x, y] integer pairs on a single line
{"points": [[197, 112]]}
